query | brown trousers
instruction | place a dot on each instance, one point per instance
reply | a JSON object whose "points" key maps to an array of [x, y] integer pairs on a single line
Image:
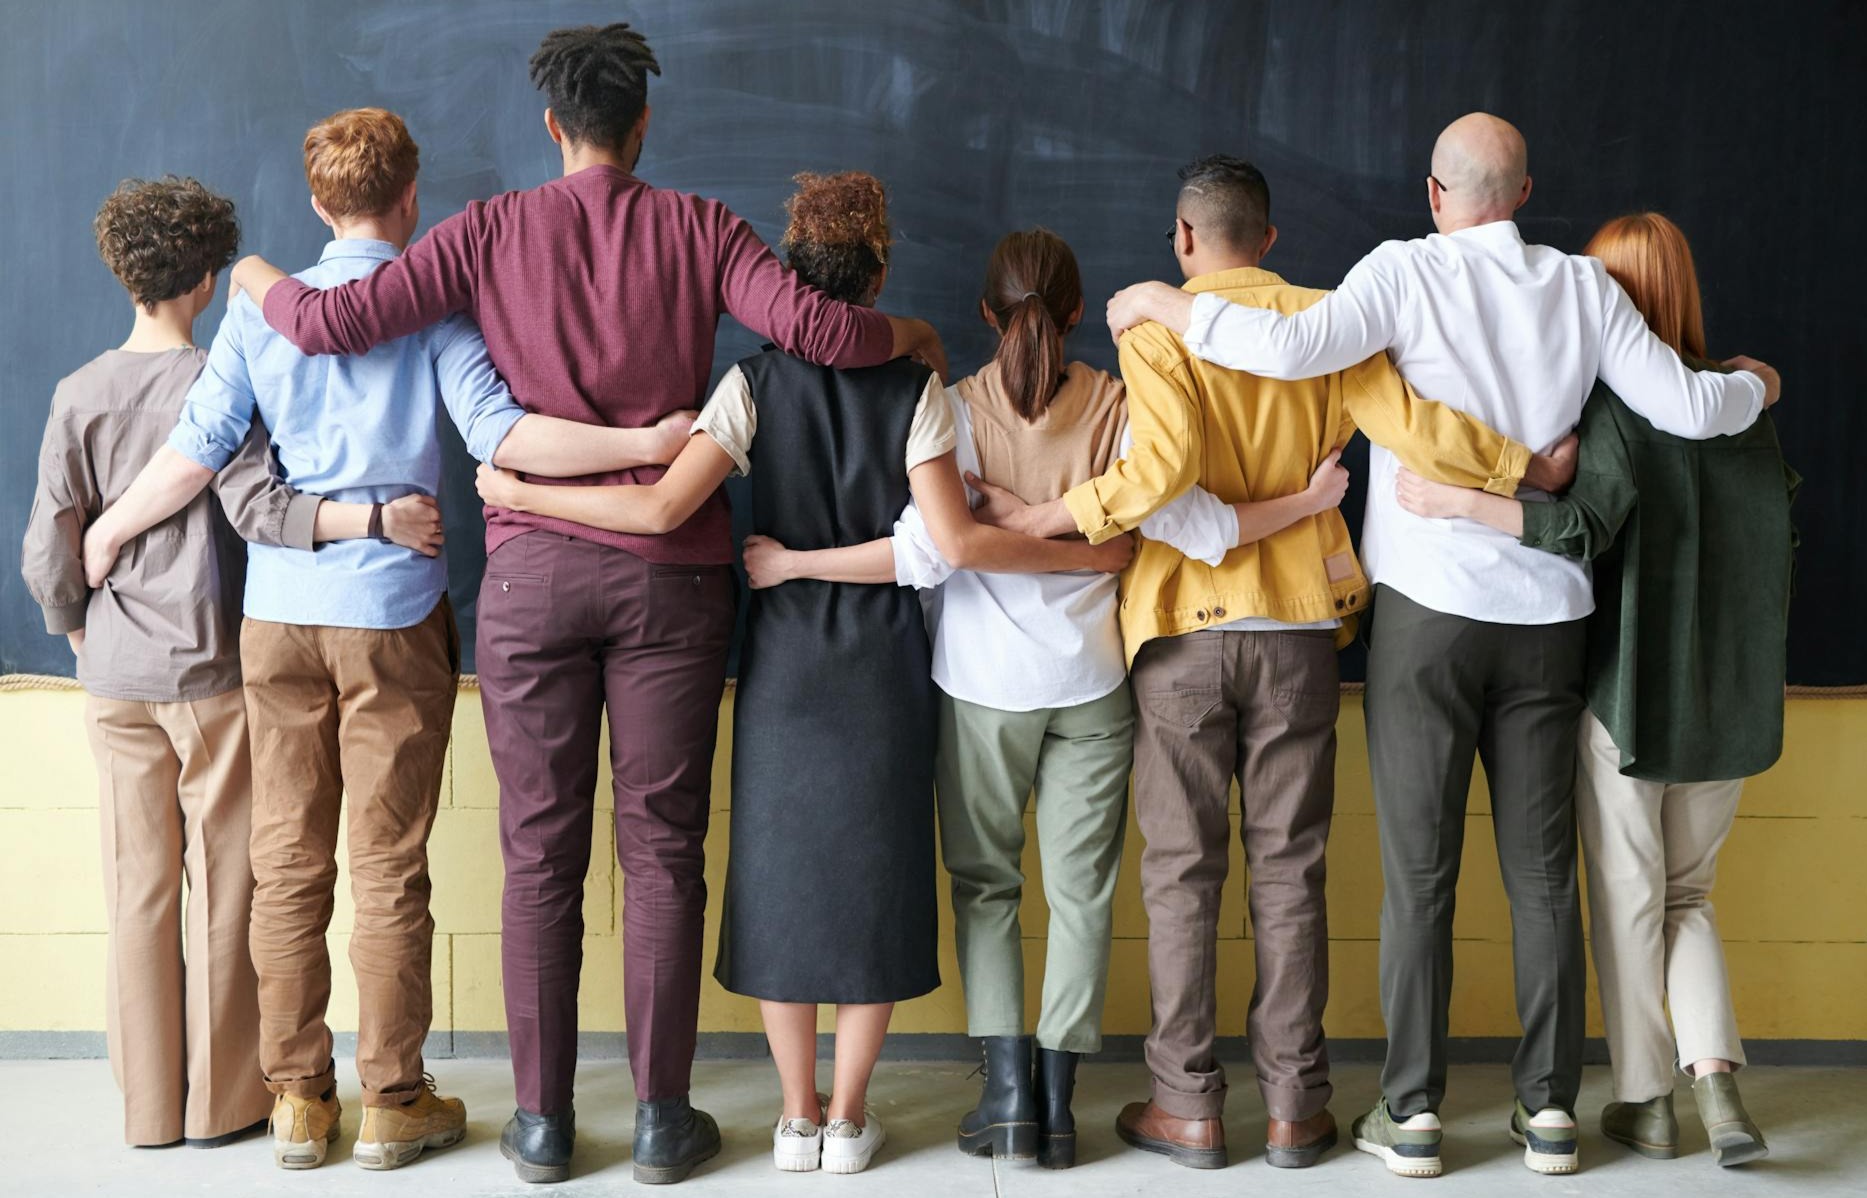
{"points": [[1261, 707], [366, 713], [174, 802]]}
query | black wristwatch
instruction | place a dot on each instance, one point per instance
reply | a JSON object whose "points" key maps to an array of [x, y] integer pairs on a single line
{"points": [[375, 529]]}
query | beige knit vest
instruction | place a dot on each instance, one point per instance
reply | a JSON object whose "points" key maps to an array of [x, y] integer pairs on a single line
{"points": [[1071, 441]]}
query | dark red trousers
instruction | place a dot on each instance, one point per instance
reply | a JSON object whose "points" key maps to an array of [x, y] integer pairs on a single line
{"points": [[569, 629]]}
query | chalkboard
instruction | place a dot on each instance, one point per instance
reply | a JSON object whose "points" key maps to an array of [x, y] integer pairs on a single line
{"points": [[1743, 121]]}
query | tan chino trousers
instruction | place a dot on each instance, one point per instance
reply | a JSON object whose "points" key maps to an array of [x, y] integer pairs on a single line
{"points": [[362, 714], [182, 1021]]}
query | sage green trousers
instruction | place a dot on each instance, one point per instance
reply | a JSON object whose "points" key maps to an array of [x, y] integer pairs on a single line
{"points": [[1077, 760]]}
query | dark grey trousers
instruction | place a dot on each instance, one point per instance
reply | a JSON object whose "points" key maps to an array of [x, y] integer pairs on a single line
{"points": [[1440, 688]]}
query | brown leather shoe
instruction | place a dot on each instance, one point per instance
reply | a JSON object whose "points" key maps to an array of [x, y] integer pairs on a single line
{"points": [[1195, 1143], [1301, 1144]]}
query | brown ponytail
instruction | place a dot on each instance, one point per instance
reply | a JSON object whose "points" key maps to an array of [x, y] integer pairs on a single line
{"points": [[1033, 288]]}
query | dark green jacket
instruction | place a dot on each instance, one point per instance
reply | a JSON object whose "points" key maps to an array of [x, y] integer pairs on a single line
{"points": [[1692, 548]]}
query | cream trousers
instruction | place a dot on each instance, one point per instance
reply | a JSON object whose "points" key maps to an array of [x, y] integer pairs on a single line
{"points": [[1651, 851]]}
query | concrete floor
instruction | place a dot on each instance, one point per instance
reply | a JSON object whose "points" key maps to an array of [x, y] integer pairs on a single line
{"points": [[63, 1121]]}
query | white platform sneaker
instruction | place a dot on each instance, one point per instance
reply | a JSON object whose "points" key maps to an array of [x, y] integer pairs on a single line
{"points": [[848, 1148], [796, 1145]]}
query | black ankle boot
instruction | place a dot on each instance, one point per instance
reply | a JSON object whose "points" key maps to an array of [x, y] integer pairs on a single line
{"points": [[1056, 1126], [1004, 1124], [671, 1137], [539, 1146]]}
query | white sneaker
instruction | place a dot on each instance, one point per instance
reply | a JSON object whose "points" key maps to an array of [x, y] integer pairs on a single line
{"points": [[1548, 1139], [848, 1148], [796, 1145]]}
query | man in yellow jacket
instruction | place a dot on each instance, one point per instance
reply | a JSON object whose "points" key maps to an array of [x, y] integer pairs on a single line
{"points": [[1234, 666]]}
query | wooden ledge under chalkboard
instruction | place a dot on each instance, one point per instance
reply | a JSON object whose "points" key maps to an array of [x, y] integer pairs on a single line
{"points": [[471, 682]]}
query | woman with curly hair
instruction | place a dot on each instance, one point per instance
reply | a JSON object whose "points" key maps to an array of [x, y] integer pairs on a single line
{"points": [[830, 894]]}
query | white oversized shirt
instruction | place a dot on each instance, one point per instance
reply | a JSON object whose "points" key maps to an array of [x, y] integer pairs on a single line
{"points": [[1022, 642], [1513, 334]]}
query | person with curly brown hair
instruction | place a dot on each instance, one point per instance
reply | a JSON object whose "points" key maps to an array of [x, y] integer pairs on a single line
{"points": [[157, 647], [830, 892]]}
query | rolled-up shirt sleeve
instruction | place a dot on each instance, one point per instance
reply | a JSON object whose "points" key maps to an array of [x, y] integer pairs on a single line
{"points": [[219, 410], [918, 563], [219, 429], [731, 419], [475, 396]]}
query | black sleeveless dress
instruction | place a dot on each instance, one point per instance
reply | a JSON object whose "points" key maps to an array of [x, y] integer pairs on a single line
{"points": [[830, 888]]}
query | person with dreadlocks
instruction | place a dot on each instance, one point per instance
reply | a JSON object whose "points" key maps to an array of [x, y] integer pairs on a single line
{"points": [[830, 893], [599, 296]]}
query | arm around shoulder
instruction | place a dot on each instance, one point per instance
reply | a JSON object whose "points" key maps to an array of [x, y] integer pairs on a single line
{"points": [[1169, 442], [1652, 379], [432, 280]]}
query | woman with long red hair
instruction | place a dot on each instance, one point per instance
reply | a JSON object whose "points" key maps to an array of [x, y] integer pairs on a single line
{"points": [[1691, 544]]}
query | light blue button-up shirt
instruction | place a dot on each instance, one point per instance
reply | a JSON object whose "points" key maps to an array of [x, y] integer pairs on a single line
{"points": [[359, 429]]}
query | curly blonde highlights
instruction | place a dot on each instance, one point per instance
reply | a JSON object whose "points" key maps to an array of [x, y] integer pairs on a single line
{"points": [[161, 237]]}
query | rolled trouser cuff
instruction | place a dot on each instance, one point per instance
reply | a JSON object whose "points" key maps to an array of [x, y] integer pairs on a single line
{"points": [[306, 1087], [1294, 1104]]}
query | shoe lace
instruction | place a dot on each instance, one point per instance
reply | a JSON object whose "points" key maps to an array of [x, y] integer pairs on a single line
{"points": [[980, 1070]]}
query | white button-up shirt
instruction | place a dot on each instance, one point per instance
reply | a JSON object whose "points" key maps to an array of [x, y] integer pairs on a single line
{"points": [[1514, 334], [1021, 642]]}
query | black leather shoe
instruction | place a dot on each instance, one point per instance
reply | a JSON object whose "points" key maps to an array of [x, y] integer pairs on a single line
{"points": [[539, 1146], [1056, 1126], [671, 1137], [1004, 1124]]}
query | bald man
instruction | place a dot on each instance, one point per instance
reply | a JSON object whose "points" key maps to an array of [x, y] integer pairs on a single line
{"points": [[1477, 641]]}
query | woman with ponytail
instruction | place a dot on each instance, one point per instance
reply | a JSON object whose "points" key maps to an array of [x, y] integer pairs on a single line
{"points": [[1033, 696], [830, 889]]}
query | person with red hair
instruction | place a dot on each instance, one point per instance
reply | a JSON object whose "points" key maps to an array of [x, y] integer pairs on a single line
{"points": [[1691, 544]]}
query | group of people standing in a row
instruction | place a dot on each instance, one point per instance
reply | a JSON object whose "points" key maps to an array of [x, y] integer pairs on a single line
{"points": [[1033, 659]]}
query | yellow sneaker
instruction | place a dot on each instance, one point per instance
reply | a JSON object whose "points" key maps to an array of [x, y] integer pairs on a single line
{"points": [[303, 1129], [392, 1136]]}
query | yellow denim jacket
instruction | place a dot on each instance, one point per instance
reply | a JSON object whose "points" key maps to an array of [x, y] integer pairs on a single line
{"points": [[1247, 439]]}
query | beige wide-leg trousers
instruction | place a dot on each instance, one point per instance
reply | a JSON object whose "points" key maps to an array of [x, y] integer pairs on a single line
{"points": [[175, 802]]}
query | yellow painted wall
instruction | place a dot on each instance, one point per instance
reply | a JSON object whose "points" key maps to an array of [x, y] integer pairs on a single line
{"points": [[1789, 896]]}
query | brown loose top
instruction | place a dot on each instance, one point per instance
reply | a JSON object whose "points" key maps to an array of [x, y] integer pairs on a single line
{"points": [[165, 626]]}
